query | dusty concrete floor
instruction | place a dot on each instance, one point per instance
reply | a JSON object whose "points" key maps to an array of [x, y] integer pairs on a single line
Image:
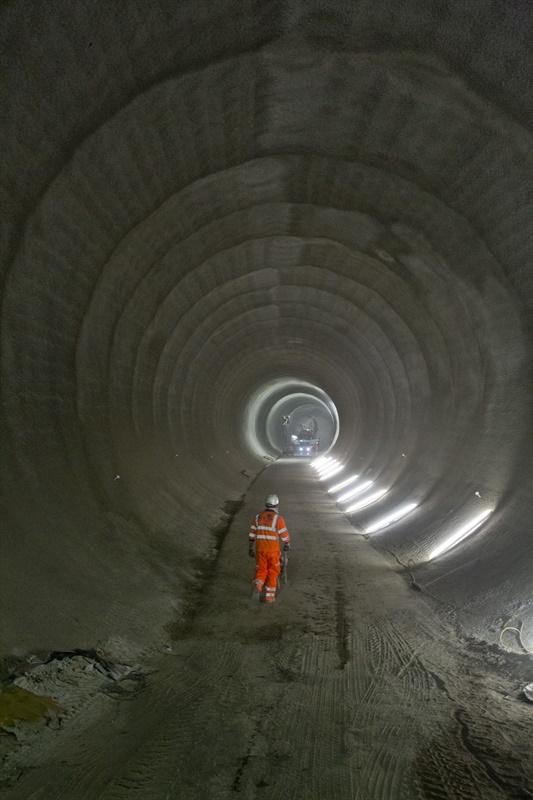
{"points": [[352, 686]]}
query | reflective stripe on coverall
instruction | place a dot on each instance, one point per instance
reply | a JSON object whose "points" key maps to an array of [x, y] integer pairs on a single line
{"points": [[266, 530]]}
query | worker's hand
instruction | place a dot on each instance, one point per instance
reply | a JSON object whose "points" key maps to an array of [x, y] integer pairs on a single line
{"points": [[251, 552], [286, 547]]}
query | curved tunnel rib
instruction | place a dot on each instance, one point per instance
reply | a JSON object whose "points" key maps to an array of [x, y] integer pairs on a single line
{"points": [[209, 213]]}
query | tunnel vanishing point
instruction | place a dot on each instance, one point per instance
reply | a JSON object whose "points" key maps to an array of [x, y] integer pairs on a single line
{"points": [[218, 213]]}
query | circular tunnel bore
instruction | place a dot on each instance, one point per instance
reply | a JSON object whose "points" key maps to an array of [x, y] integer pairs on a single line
{"points": [[342, 198], [312, 418], [303, 406]]}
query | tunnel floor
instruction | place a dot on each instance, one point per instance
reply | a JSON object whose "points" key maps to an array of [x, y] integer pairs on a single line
{"points": [[353, 685]]}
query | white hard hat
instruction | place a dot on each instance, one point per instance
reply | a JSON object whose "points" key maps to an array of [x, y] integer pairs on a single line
{"points": [[272, 501]]}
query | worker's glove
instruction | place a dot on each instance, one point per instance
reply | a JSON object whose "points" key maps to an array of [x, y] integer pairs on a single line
{"points": [[251, 552], [286, 547]]}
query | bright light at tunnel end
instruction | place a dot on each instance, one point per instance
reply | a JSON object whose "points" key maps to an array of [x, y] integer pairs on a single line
{"points": [[460, 534]]}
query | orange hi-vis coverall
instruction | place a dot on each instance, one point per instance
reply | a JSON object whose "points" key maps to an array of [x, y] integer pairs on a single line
{"points": [[266, 531]]}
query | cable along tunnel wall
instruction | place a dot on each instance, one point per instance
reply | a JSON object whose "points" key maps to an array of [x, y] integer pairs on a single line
{"points": [[341, 199]]}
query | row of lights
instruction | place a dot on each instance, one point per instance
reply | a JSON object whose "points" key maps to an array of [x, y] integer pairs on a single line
{"points": [[350, 488]]}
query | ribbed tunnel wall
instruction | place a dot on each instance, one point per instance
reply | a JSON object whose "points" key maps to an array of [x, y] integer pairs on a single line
{"points": [[202, 201]]}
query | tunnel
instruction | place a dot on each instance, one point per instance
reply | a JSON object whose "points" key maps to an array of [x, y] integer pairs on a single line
{"points": [[218, 215]]}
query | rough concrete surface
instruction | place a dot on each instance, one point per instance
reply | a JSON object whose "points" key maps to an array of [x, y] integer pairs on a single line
{"points": [[218, 213], [351, 686]]}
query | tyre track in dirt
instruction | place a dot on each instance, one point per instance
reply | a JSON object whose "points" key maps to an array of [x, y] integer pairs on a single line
{"points": [[471, 758], [385, 764], [349, 688], [477, 739], [162, 727], [315, 717], [342, 632], [444, 771], [188, 731], [389, 727], [447, 769]]}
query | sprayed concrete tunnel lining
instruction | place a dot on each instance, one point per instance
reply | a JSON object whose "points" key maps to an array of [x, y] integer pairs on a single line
{"points": [[211, 201]]}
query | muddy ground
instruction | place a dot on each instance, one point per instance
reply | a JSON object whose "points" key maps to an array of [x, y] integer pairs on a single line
{"points": [[353, 686]]}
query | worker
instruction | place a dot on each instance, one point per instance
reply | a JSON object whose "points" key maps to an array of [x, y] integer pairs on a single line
{"points": [[266, 531]]}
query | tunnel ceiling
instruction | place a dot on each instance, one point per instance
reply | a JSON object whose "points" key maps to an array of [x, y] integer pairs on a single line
{"points": [[204, 199]]}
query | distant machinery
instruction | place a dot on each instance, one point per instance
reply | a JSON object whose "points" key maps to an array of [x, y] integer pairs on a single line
{"points": [[304, 442]]}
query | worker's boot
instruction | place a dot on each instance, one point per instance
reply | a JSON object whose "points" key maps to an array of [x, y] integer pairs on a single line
{"points": [[256, 594]]}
